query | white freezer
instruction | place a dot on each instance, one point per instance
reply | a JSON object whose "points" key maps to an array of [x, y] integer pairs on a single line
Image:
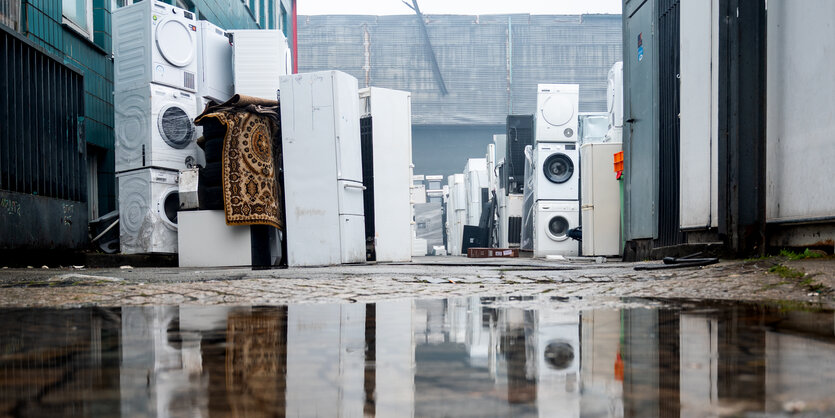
{"points": [[600, 200], [322, 168], [391, 130]]}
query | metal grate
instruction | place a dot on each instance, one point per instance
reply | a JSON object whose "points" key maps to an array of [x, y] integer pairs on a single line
{"points": [[42, 146], [514, 230], [188, 80], [669, 231]]}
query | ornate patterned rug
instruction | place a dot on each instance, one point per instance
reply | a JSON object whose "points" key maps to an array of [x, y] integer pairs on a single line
{"points": [[251, 152]]}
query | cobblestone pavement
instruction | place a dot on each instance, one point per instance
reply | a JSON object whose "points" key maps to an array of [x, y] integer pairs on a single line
{"points": [[431, 277]]}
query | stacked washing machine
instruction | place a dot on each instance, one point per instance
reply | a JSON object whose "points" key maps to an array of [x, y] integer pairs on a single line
{"points": [[156, 79], [556, 170]]}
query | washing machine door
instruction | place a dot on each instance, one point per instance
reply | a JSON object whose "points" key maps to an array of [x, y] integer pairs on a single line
{"points": [[557, 228], [175, 126], [558, 168], [176, 41], [167, 207], [557, 110]]}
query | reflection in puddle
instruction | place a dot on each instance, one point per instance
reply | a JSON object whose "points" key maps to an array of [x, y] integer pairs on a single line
{"points": [[453, 357]]}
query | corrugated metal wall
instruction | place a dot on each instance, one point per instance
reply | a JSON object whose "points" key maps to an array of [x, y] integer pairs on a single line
{"points": [[43, 182], [490, 64], [669, 144]]}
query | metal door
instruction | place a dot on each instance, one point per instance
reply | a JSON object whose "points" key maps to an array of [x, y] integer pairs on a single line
{"points": [[669, 231], [640, 143]]}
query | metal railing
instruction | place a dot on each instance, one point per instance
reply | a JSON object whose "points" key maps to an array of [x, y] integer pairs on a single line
{"points": [[42, 145]]}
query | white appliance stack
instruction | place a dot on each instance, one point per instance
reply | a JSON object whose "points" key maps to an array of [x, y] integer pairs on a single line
{"points": [[155, 84], [556, 166], [322, 156], [600, 189]]}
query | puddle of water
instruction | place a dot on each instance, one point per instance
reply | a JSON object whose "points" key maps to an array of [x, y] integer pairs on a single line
{"points": [[453, 357]]}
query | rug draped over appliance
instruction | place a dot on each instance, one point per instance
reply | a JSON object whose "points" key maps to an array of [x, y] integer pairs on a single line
{"points": [[250, 159]]}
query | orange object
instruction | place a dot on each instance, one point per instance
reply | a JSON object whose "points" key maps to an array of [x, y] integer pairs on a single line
{"points": [[619, 161], [619, 165]]}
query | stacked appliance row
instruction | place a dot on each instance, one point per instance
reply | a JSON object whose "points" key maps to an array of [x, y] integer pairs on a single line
{"points": [[555, 174], [167, 66]]}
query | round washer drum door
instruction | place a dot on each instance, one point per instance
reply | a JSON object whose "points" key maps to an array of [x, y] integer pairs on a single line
{"points": [[557, 110], [169, 204], [175, 127], [558, 168], [175, 42], [558, 228]]}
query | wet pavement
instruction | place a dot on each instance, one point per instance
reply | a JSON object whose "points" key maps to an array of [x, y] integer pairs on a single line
{"points": [[430, 277], [472, 356]]}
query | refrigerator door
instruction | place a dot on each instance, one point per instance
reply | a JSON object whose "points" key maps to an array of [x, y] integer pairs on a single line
{"points": [[347, 127], [352, 235], [351, 198], [587, 220]]}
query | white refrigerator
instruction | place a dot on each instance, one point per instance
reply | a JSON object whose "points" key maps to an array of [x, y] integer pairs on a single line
{"points": [[600, 199], [391, 157], [323, 188]]}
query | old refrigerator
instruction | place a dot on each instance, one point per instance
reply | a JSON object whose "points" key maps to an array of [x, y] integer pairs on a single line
{"points": [[386, 132], [600, 199], [322, 169]]}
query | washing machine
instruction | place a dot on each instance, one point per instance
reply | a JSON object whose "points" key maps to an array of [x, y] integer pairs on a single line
{"points": [[214, 64], [552, 220], [154, 127], [148, 204], [558, 363], [557, 171], [557, 106], [154, 42]]}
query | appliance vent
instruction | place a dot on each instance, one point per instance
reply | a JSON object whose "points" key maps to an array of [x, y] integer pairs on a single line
{"points": [[514, 230], [188, 80]]}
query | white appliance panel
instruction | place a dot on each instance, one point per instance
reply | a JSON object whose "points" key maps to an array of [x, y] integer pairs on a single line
{"points": [[154, 127], [206, 241], [148, 205], [557, 171], [154, 42], [352, 237], [347, 126], [214, 63], [391, 128], [552, 220], [557, 112], [600, 200], [350, 197], [614, 96], [259, 59]]}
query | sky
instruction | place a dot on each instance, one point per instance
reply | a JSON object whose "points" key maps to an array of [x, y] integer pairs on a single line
{"points": [[468, 7]]}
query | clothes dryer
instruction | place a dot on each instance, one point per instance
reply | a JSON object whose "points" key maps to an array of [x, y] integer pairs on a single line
{"points": [[154, 42], [552, 220], [148, 205], [556, 112], [214, 64], [155, 128], [557, 171]]}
